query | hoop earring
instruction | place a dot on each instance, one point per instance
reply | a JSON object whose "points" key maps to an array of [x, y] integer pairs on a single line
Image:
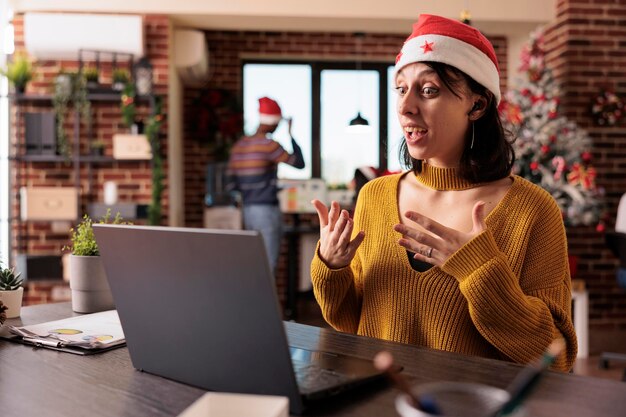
{"points": [[472, 144]]}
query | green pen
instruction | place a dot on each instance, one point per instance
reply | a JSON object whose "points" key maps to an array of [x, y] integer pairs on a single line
{"points": [[527, 380]]}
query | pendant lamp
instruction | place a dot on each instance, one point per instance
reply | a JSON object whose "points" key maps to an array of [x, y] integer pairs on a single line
{"points": [[359, 122]]}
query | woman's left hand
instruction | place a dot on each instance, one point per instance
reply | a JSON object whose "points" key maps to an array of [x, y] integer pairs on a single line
{"points": [[436, 246]]}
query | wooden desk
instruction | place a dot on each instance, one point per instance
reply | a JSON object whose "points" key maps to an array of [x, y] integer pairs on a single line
{"points": [[40, 382]]}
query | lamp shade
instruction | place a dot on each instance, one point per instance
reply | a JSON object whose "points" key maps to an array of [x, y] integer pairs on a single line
{"points": [[359, 121]]}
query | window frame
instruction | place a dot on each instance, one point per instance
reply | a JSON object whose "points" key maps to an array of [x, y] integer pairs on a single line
{"points": [[316, 70]]}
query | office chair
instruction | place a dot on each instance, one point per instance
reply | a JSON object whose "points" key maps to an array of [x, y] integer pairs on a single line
{"points": [[616, 241]]}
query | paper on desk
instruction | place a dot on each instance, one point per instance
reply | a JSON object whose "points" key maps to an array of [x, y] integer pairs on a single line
{"points": [[89, 331], [219, 404]]}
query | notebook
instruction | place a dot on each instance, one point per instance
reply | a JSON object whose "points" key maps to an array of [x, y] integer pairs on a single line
{"points": [[199, 306]]}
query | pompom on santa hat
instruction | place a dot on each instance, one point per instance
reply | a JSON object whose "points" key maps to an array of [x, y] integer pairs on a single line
{"points": [[269, 111], [438, 39]]}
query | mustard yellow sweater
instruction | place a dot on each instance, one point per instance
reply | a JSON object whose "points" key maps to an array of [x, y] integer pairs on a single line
{"points": [[505, 294]]}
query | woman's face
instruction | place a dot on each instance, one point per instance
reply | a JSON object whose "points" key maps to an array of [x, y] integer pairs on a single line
{"points": [[433, 119]]}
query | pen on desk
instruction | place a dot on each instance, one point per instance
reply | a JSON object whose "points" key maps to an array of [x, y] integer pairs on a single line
{"points": [[383, 361], [528, 378]]}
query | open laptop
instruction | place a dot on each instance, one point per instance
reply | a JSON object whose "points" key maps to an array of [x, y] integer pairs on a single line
{"points": [[199, 306]]}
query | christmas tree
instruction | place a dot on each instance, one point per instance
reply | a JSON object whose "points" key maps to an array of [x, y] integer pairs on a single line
{"points": [[551, 150]]}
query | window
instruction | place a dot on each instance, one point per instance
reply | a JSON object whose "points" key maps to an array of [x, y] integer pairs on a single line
{"points": [[323, 97], [394, 131], [290, 86], [6, 47], [343, 94]]}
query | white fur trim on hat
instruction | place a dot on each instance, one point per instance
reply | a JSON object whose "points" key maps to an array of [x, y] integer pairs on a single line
{"points": [[269, 119], [454, 52]]}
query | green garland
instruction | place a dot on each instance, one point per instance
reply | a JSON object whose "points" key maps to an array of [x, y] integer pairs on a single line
{"points": [[128, 104], [77, 95], [153, 127]]}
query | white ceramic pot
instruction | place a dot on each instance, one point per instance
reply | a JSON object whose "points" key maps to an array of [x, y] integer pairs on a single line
{"points": [[89, 285], [12, 301]]}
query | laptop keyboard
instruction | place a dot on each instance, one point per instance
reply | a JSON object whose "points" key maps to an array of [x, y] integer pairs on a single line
{"points": [[312, 377]]}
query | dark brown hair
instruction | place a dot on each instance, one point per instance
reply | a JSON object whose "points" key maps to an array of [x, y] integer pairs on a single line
{"points": [[492, 155]]}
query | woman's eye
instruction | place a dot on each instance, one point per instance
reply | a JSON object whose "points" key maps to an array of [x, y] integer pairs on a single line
{"points": [[429, 91], [400, 90]]}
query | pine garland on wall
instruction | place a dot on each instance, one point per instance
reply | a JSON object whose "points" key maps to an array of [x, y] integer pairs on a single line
{"points": [[551, 150]]}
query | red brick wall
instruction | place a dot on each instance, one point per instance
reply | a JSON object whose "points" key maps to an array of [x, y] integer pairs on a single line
{"points": [[226, 50], [586, 47], [133, 178]]}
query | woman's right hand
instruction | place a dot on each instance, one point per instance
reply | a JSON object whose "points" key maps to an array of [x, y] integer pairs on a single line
{"points": [[336, 248]]}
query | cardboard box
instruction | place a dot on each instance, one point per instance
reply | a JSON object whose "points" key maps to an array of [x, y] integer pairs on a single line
{"points": [[218, 404], [223, 217], [127, 146], [48, 203]]}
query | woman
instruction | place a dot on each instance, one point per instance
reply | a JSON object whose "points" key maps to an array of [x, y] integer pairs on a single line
{"points": [[456, 254]]}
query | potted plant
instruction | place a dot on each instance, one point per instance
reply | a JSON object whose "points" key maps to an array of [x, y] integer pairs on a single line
{"points": [[88, 282], [19, 72], [97, 147], [90, 74], [69, 89], [63, 89], [11, 291], [121, 77]]}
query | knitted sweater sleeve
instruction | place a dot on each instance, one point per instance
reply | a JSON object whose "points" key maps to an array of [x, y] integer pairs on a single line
{"points": [[521, 315]]}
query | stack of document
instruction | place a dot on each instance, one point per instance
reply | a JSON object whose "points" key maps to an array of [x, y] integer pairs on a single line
{"points": [[86, 334]]}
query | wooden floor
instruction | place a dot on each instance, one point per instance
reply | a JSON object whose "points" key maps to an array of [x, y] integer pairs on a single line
{"points": [[309, 313]]}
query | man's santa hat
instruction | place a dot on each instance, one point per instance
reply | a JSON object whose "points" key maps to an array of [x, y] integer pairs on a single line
{"points": [[269, 111], [451, 42]]}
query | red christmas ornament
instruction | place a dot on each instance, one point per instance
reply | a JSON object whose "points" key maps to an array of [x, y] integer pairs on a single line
{"points": [[545, 149], [586, 156], [534, 165]]}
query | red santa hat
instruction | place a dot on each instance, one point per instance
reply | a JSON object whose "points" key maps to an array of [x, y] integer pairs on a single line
{"points": [[269, 111], [451, 42]]}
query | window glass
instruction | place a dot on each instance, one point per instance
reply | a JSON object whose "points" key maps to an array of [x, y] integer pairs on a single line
{"points": [[6, 47], [394, 131], [290, 86], [344, 93]]}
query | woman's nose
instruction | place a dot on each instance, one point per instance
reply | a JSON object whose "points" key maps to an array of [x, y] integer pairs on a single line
{"points": [[407, 104]]}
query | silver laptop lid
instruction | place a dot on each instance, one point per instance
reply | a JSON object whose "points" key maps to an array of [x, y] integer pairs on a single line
{"points": [[199, 306]]}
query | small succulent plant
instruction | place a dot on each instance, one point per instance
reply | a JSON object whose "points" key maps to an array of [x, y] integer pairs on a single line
{"points": [[9, 280]]}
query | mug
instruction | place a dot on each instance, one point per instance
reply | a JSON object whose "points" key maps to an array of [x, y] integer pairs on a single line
{"points": [[456, 399]]}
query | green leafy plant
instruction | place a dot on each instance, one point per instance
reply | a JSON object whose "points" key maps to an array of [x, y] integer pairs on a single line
{"points": [[121, 75], [90, 74], [152, 131], [19, 72], [97, 147], [82, 236], [127, 105], [9, 280], [69, 88]]}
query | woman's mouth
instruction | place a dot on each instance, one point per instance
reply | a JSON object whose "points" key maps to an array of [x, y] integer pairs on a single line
{"points": [[414, 134]]}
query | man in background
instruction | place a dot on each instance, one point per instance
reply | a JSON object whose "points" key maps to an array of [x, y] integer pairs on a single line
{"points": [[252, 170]]}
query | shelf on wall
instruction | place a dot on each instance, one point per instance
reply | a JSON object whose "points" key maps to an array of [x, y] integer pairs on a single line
{"points": [[112, 96], [82, 158]]}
